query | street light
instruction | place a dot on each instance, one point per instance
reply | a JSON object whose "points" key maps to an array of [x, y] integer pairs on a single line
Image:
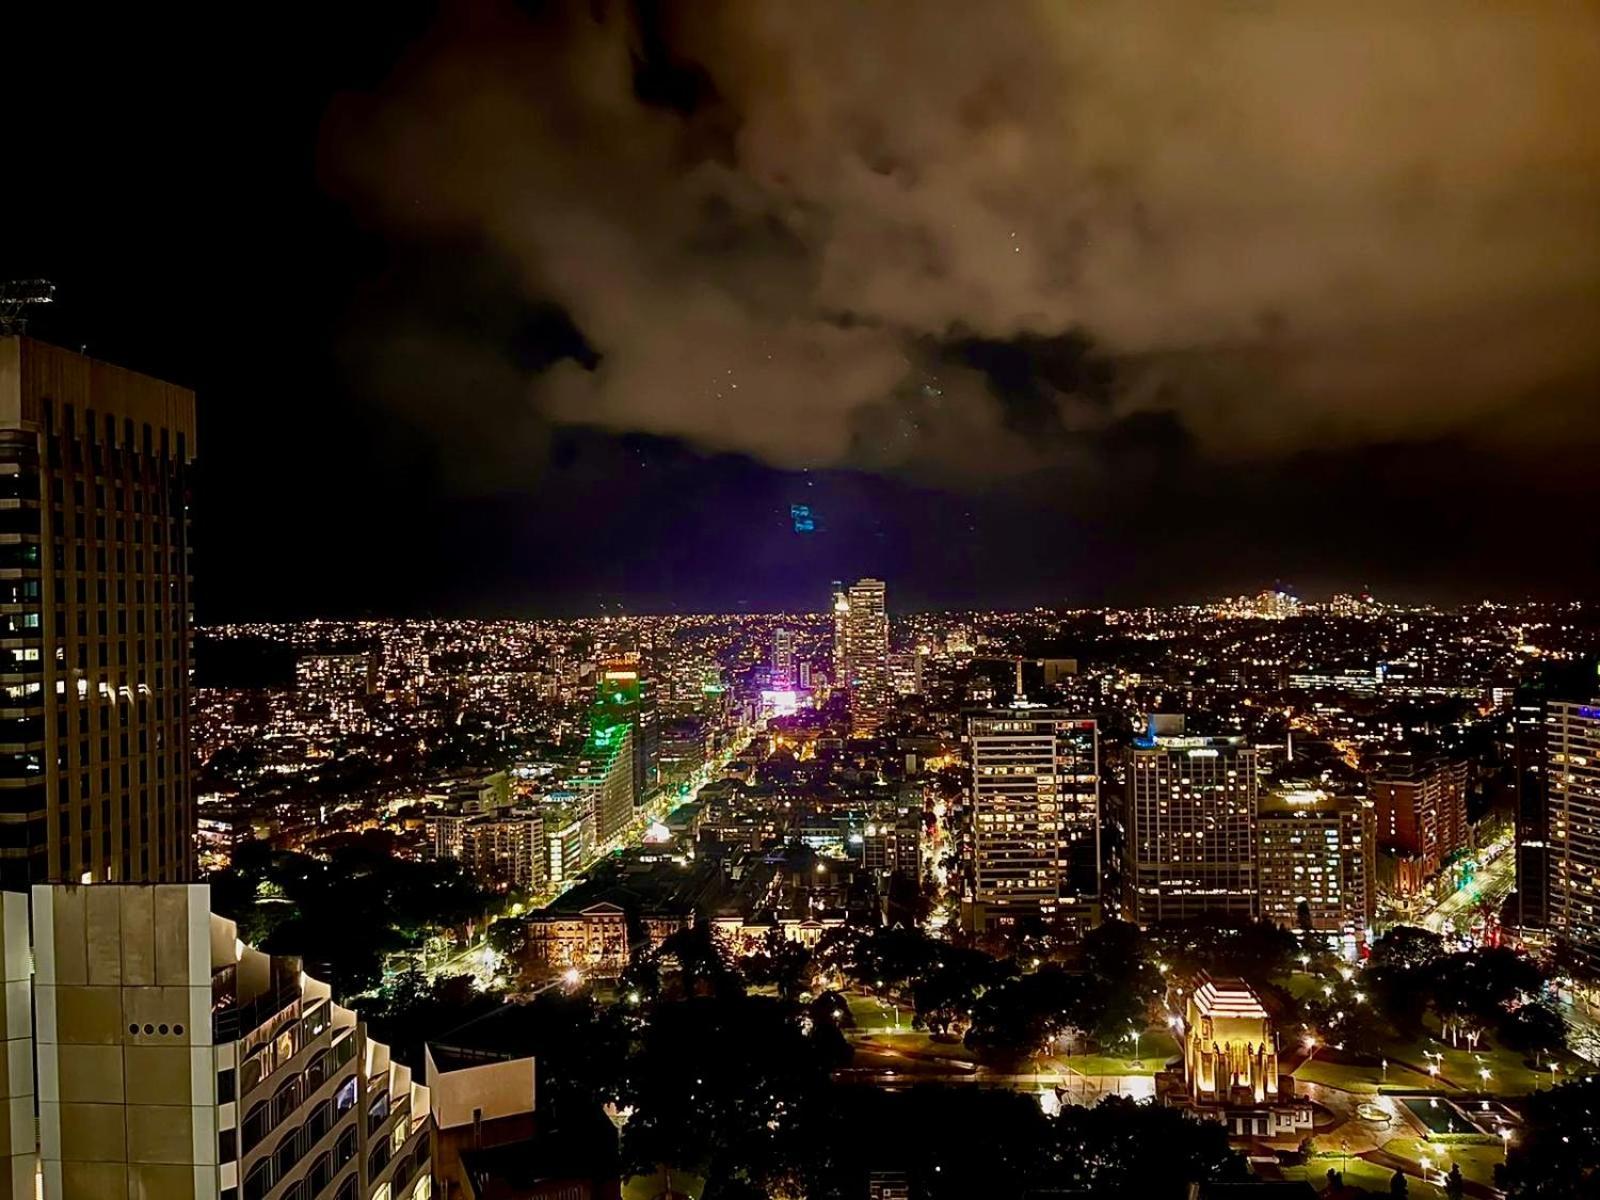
{"points": [[1505, 1143]]}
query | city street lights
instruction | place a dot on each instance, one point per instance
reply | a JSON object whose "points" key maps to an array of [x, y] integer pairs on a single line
{"points": [[1505, 1143]]}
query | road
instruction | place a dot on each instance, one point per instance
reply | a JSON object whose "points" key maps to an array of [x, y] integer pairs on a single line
{"points": [[480, 962], [1492, 884]]}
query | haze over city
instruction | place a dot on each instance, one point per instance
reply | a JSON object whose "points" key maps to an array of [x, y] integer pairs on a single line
{"points": [[742, 599]]}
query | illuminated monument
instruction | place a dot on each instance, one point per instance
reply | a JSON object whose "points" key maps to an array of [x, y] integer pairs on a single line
{"points": [[1230, 1064]]}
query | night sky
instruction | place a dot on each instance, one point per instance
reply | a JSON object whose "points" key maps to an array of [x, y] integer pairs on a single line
{"points": [[499, 309]]}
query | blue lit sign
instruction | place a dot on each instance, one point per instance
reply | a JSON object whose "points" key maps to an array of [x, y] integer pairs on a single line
{"points": [[804, 522]]}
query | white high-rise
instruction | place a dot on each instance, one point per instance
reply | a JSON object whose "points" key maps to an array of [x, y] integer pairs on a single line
{"points": [[865, 626], [1032, 836], [1572, 752], [1191, 826]]}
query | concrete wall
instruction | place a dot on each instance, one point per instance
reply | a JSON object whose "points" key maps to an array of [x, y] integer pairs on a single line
{"points": [[127, 1081]]}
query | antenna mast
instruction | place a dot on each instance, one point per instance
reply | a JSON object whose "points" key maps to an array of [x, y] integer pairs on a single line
{"points": [[17, 297]]}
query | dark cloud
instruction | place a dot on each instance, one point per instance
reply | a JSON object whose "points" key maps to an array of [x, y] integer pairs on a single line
{"points": [[833, 233]]}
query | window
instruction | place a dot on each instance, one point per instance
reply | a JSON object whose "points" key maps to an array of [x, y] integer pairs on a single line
{"points": [[345, 1149], [378, 1159], [259, 1182], [345, 1097]]}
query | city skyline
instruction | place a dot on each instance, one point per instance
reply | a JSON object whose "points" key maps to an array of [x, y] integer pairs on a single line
{"points": [[752, 600], [1201, 432]]}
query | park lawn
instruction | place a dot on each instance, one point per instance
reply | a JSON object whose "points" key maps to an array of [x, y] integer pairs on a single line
{"points": [[918, 1043], [1301, 984], [873, 1015], [1359, 1172], [1352, 1078], [1507, 1074], [1155, 1049], [1477, 1162]]}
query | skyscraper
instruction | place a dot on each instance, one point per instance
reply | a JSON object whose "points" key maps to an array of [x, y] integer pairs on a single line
{"points": [[627, 693], [783, 676], [1572, 755], [1191, 826], [841, 637], [1032, 836], [94, 621], [1315, 858], [867, 656]]}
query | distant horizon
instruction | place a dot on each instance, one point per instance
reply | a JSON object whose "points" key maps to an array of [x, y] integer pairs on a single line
{"points": [[1409, 605]]}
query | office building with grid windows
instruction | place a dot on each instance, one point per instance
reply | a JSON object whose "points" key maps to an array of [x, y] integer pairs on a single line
{"points": [[95, 621]]}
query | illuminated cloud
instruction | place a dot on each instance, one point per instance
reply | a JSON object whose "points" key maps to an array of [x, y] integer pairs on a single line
{"points": [[990, 238]]}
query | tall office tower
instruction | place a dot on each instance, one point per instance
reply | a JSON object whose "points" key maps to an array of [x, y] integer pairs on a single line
{"points": [[1421, 812], [782, 659], [1190, 826], [1572, 754], [841, 637], [1032, 839], [176, 1063], [1533, 810], [804, 675], [627, 693], [1315, 863], [94, 621], [867, 639], [605, 779], [1573, 680]]}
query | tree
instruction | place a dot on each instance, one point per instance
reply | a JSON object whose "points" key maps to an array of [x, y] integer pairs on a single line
{"points": [[1557, 1150], [1454, 1186], [1398, 1186]]}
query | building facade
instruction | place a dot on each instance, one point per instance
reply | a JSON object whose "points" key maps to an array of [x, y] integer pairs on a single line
{"points": [[866, 625], [605, 781], [783, 674], [1032, 837], [95, 620], [175, 1063], [1315, 864], [1572, 752], [1420, 808], [1190, 824]]}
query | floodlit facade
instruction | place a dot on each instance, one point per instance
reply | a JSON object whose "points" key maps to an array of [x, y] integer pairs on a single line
{"points": [[95, 620], [1315, 863], [175, 1063], [1032, 841], [1572, 746], [1191, 827], [1230, 1064]]}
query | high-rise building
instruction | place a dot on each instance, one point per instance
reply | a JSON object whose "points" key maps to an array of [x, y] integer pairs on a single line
{"points": [[782, 658], [94, 621], [867, 656], [627, 694], [1032, 836], [1533, 809], [841, 637], [605, 781], [891, 843], [1571, 680], [1420, 807], [1572, 755], [175, 1063], [1190, 826], [1315, 863]]}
